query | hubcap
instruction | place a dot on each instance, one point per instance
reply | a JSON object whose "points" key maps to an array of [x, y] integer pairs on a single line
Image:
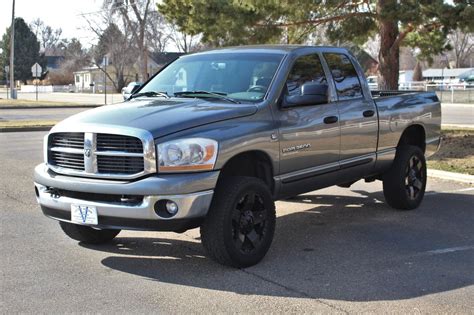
{"points": [[414, 177], [249, 223]]}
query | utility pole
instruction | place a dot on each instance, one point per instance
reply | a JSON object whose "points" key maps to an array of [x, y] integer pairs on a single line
{"points": [[12, 53], [106, 61]]}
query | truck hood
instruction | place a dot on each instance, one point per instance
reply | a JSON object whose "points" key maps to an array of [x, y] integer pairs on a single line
{"points": [[160, 116]]}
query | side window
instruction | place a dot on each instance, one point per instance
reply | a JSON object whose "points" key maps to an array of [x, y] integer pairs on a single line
{"points": [[306, 69], [345, 76]]}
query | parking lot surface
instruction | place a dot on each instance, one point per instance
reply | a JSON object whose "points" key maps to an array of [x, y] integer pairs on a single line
{"points": [[335, 250]]}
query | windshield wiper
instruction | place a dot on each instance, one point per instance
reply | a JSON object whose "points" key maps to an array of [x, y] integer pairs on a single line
{"points": [[220, 95], [149, 94]]}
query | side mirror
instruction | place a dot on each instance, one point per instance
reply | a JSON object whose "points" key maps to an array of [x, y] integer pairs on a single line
{"points": [[310, 94], [135, 88]]}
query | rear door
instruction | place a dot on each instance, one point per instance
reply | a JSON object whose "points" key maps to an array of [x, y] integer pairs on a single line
{"points": [[357, 112]]}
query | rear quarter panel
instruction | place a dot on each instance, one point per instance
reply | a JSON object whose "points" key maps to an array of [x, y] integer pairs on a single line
{"points": [[398, 112]]}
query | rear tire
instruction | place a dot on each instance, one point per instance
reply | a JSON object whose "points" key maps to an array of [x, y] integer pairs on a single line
{"points": [[404, 183], [87, 234], [240, 224]]}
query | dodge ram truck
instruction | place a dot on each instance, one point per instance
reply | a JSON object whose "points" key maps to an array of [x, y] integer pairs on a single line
{"points": [[214, 138]]}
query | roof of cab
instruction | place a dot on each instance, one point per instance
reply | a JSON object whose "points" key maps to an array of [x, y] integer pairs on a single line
{"points": [[282, 49]]}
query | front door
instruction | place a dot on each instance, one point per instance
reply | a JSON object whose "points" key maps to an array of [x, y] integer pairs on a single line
{"points": [[309, 134]]}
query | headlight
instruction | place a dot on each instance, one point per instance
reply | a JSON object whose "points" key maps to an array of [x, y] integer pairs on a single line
{"points": [[187, 155]]}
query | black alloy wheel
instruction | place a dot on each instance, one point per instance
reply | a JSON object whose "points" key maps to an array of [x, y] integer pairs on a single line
{"points": [[249, 223], [404, 183], [239, 227], [414, 177]]}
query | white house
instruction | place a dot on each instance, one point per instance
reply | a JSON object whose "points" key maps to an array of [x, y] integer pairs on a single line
{"points": [[405, 76], [84, 78], [447, 75]]}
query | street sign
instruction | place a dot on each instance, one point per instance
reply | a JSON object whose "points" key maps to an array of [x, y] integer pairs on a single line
{"points": [[36, 70]]}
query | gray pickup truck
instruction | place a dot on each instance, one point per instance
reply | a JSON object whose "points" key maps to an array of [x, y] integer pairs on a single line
{"points": [[214, 138]]}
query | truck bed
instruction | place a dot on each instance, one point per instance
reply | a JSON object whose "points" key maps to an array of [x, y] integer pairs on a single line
{"points": [[399, 109], [385, 93]]}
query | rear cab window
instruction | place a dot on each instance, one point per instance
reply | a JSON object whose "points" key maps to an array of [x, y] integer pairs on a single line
{"points": [[345, 76]]}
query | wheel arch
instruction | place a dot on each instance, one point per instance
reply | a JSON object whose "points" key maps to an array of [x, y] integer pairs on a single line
{"points": [[252, 163], [413, 135]]}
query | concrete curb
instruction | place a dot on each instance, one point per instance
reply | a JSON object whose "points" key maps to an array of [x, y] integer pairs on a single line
{"points": [[458, 177], [47, 106], [26, 129], [456, 126]]}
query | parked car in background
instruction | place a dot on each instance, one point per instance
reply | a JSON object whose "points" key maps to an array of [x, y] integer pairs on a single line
{"points": [[213, 139], [372, 82], [129, 89]]}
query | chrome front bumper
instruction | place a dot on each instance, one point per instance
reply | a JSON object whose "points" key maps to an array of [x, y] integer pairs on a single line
{"points": [[138, 216]]}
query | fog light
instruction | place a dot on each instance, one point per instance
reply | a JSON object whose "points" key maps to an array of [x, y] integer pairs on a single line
{"points": [[171, 207]]}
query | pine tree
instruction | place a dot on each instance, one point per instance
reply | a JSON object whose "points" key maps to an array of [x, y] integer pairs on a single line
{"points": [[415, 23], [26, 50]]}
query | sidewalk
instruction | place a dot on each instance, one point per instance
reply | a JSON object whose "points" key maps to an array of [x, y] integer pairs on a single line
{"points": [[459, 177]]}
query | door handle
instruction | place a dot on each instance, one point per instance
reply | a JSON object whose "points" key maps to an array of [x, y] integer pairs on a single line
{"points": [[330, 119], [368, 113]]}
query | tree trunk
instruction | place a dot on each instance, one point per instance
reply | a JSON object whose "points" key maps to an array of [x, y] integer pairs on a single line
{"points": [[389, 53], [418, 72], [145, 74], [144, 53]]}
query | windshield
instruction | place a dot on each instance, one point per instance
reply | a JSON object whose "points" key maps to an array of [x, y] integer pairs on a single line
{"points": [[240, 76]]}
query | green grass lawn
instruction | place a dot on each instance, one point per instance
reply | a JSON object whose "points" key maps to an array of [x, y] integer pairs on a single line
{"points": [[456, 153], [26, 123], [10, 102]]}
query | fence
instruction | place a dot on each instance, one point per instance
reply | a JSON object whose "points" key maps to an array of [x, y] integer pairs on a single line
{"points": [[46, 88], [447, 92]]}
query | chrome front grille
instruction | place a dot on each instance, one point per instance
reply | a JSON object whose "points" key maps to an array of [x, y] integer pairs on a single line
{"points": [[68, 140], [119, 164], [108, 142], [67, 160], [96, 154]]}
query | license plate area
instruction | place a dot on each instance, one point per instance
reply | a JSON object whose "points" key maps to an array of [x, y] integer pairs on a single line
{"points": [[84, 214]]}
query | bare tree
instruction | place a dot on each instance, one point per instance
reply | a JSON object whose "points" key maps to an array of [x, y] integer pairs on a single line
{"points": [[75, 58], [463, 46], [184, 42], [48, 37], [116, 41], [119, 49], [157, 34], [372, 46], [135, 14]]}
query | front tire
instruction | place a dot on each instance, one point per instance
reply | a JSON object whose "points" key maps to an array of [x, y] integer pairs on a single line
{"points": [[240, 224], [405, 183], [87, 234]]}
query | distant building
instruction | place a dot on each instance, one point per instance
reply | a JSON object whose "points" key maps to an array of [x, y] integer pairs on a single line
{"points": [[368, 63], [405, 76], [91, 79], [158, 60], [54, 57], [447, 75]]}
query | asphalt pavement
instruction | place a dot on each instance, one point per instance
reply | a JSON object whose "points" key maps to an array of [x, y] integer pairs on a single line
{"points": [[335, 250], [38, 113], [457, 114]]}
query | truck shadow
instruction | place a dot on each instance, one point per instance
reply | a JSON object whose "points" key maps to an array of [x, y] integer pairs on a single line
{"points": [[340, 248]]}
